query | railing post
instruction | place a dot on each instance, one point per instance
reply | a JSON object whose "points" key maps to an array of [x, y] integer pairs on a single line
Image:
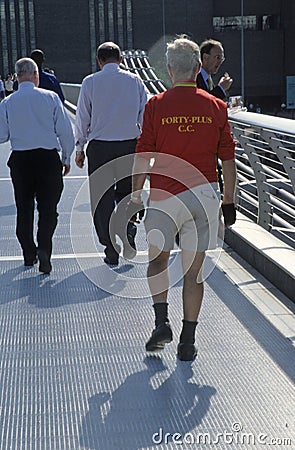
{"points": [[264, 209], [281, 152]]}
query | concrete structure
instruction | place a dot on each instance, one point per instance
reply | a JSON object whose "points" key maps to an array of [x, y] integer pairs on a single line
{"points": [[69, 32]]}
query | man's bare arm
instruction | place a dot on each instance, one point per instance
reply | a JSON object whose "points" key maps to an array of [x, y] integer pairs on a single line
{"points": [[140, 171], [229, 176]]}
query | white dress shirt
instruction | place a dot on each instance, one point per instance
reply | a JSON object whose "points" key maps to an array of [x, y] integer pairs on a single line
{"points": [[35, 118], [110, 106]]}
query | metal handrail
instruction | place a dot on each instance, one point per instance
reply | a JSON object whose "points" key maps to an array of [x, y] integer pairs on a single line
{"points": [[138, 61], [266, 171]]}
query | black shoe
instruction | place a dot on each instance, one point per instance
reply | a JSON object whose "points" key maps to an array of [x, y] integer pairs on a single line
{"points": [[45, 264], [112, 255], [186, 352], [29, 262], [111, 261], [160, 336]]}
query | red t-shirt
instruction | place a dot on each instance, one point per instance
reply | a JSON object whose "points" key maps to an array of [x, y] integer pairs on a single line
{"points": [[185, 129]]}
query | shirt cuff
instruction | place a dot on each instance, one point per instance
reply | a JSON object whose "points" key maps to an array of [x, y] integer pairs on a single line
{"points": [[224, 93], [79, 147], [66, 160]]}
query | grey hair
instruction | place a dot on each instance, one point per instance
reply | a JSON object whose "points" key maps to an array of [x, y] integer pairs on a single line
{"points": [[25, 67], [183, 55]]}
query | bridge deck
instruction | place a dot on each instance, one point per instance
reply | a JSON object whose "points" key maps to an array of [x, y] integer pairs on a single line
{"points": [[74, 372]]}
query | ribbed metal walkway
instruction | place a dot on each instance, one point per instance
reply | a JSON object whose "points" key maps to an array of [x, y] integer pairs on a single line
{"points": [[74, 372]]}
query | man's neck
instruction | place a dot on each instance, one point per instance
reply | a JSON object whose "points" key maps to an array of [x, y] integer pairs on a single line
{"points": [[103, 64]]}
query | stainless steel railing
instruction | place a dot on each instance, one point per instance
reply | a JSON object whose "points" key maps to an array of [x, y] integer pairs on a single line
{"points": [[137, 61], [266, 171]]}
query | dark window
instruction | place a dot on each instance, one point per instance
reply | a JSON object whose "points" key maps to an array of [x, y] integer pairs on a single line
{"points": [[110, 20], [17, 28]]}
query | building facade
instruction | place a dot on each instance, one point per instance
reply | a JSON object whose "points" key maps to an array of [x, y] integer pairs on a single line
{"points": [[258, 40]]}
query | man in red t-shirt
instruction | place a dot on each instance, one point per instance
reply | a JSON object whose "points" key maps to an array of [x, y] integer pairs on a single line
{"points": [[185, 130]]}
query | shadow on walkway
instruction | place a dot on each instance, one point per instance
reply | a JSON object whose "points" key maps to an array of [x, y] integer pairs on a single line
{"points": [[145, 407], [48, 291]]}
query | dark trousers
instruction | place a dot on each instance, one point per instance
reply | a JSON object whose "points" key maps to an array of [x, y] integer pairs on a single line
{"points": [[36, 174], [109, 169]]}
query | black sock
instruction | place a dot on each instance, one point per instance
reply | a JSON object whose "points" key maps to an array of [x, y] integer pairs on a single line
{"points": [[188, 332], [161, 313]]}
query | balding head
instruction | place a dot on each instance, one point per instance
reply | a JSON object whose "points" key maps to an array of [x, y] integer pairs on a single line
{"points": [[108, 52], [212, 55]]}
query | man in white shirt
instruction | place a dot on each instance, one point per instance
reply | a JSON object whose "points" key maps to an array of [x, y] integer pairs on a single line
{"points": [[38, 127], [109, 117]]}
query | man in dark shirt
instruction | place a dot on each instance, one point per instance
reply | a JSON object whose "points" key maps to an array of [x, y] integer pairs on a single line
{"points": [[212, 56], [46, 80]]}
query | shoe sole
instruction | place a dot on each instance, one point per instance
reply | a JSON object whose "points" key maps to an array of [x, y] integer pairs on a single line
{"points": [[159, 346], [187, 355], [110, 262]]}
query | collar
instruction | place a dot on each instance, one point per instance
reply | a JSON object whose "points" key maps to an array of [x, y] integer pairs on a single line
{"points": [[110, 67], [185, 83], [205, 74], [26, 85]]}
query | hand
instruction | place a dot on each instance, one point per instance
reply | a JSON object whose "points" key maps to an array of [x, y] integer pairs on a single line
{"points": [[135, 211], [225, 82], [66, 169], [229, 214], [79, 159]]}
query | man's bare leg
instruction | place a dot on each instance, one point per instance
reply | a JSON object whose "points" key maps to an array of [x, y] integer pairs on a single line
{"points": [[193, 288], [158, 274], [192, 295], [158, 279]]}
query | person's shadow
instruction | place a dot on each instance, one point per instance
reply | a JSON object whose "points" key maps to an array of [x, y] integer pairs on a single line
{"points": [[8, 210], [145, 407], [49, 291]]}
